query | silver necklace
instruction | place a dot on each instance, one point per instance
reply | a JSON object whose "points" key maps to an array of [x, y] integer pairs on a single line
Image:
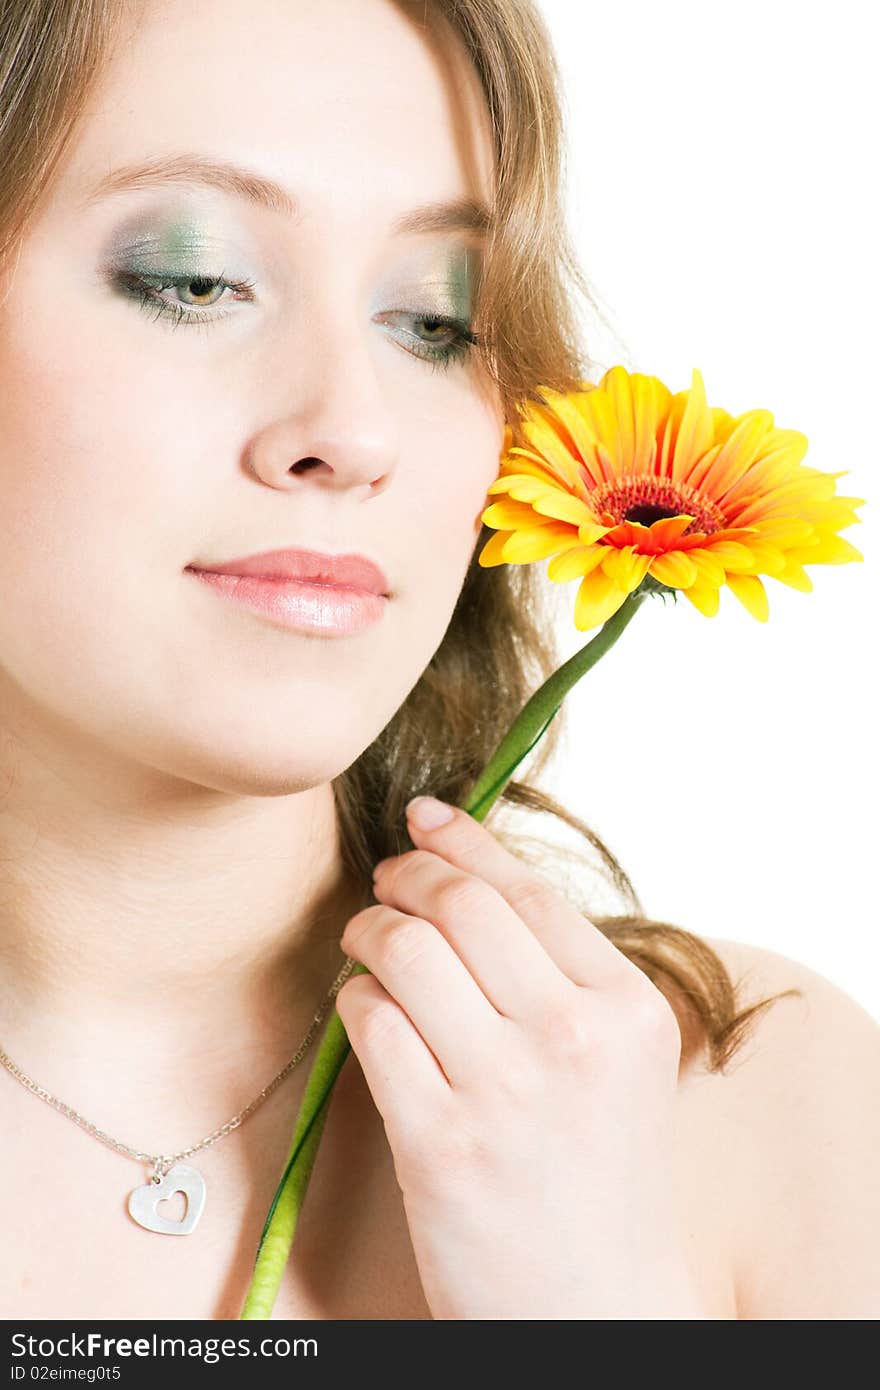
{"points": [[169, 1176]]}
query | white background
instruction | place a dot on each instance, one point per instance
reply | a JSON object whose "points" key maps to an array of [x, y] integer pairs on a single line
{"points": [[721, 183]]}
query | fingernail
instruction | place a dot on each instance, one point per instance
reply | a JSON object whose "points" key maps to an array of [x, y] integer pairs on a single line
{"points": [[427, 812]]}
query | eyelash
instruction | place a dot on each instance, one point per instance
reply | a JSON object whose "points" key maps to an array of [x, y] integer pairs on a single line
{"points": [[147, 292]]}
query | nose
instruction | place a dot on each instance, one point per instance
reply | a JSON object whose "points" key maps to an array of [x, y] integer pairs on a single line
{"points": [[339, 431]]}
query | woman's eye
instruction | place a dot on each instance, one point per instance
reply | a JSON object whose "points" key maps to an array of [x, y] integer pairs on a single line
{"points": [[438, 338], [443, 339], [198, 294]]}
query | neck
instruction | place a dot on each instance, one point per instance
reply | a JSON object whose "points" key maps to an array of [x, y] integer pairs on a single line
{"points": [[152, 929]]}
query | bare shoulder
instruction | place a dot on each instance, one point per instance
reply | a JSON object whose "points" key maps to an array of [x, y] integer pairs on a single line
{"points": [[793, 1121]]}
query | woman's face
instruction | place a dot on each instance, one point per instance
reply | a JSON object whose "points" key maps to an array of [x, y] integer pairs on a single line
{"points": [[137, 440]]}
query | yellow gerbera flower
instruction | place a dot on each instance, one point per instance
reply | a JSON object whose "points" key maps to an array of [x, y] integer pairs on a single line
{"points": [[623, 480]]}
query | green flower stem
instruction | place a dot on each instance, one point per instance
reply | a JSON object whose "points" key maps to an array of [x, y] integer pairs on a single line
{"points": [[534, 718], [280, 1223], [528, 727]]}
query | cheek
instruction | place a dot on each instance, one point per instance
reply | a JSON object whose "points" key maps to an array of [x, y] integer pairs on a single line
{"points": [[81, 426], [441, 523], [453, 456], [87, 483], [452, 519]]}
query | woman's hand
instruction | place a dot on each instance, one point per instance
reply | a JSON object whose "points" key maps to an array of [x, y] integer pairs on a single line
{"points": [[526, 1073]]}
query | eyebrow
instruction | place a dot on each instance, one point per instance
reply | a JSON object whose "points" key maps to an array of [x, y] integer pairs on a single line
{"points": [[457, 214]]}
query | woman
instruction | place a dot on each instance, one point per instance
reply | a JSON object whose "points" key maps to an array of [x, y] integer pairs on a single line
{"points": [[534, 1120]]}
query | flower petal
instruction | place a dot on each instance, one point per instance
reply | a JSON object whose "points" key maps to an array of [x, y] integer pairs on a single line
{"points": [[796, 577], [736, 455], [695, 433], [521, 547], [563, 507], [778, 457], [709, 568], [626, 567], [575, 562], [832, 550], [589, 532], [493, 551], [784, 531], [521, 486], [650, 405], [705, 597], [508, 515], [597, 598], [663, 534], [732, 554], [571, 412], [675, 569], [547, 442], [751, 594]]}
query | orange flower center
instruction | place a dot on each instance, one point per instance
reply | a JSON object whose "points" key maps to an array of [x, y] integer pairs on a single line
{"points": [[638, 497]]}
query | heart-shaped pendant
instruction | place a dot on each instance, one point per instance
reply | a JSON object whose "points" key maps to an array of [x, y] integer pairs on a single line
{"points": [[144, 1201]]}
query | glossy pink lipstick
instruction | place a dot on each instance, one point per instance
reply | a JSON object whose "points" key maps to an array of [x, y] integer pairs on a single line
{"points": [[305, 590]]}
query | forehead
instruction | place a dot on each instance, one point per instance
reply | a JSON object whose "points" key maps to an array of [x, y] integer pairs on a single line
{"points": [[353, 104]]}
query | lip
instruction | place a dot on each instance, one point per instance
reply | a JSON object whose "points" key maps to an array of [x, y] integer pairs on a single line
{"points": [[326, 609], [303, 590], [310, 566]]}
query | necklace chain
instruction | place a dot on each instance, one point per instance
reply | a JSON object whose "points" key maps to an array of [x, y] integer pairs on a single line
{"points": [[161, 1162]]}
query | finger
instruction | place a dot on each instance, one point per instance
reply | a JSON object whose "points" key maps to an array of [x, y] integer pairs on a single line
{"points": [[579, 949], [505, 958], [421, 972], [397, 1065]]}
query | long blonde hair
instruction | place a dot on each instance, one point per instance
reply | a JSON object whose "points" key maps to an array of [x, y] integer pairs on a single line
{"points": [[499, 644]]}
